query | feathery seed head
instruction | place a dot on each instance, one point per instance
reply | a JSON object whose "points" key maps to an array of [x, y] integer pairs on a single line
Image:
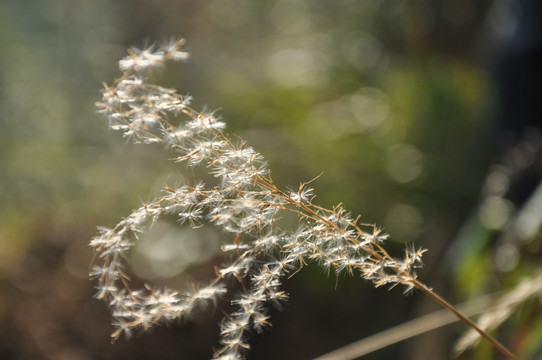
{"points": [[244, 202]]}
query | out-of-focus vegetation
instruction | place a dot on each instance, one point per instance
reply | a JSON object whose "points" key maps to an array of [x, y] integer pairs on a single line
{"points": [[391, 101]]}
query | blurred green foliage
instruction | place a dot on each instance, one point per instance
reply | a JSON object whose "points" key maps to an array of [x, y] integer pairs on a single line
{"points": [[387, 100]]}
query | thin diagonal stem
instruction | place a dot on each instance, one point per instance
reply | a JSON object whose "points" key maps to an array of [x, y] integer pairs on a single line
{"points": [[465, 319]]}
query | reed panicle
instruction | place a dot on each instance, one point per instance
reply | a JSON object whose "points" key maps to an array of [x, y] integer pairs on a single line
{"points": [[242, 200]]}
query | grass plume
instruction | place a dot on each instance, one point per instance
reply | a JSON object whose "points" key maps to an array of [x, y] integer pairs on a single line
{"points": [[243, 201]]}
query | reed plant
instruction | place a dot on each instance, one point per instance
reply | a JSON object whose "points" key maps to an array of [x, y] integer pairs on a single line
{"points": [[241, 199]]}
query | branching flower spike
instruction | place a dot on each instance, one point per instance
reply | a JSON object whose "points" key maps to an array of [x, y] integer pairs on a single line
{"points": [[242, 200]]}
